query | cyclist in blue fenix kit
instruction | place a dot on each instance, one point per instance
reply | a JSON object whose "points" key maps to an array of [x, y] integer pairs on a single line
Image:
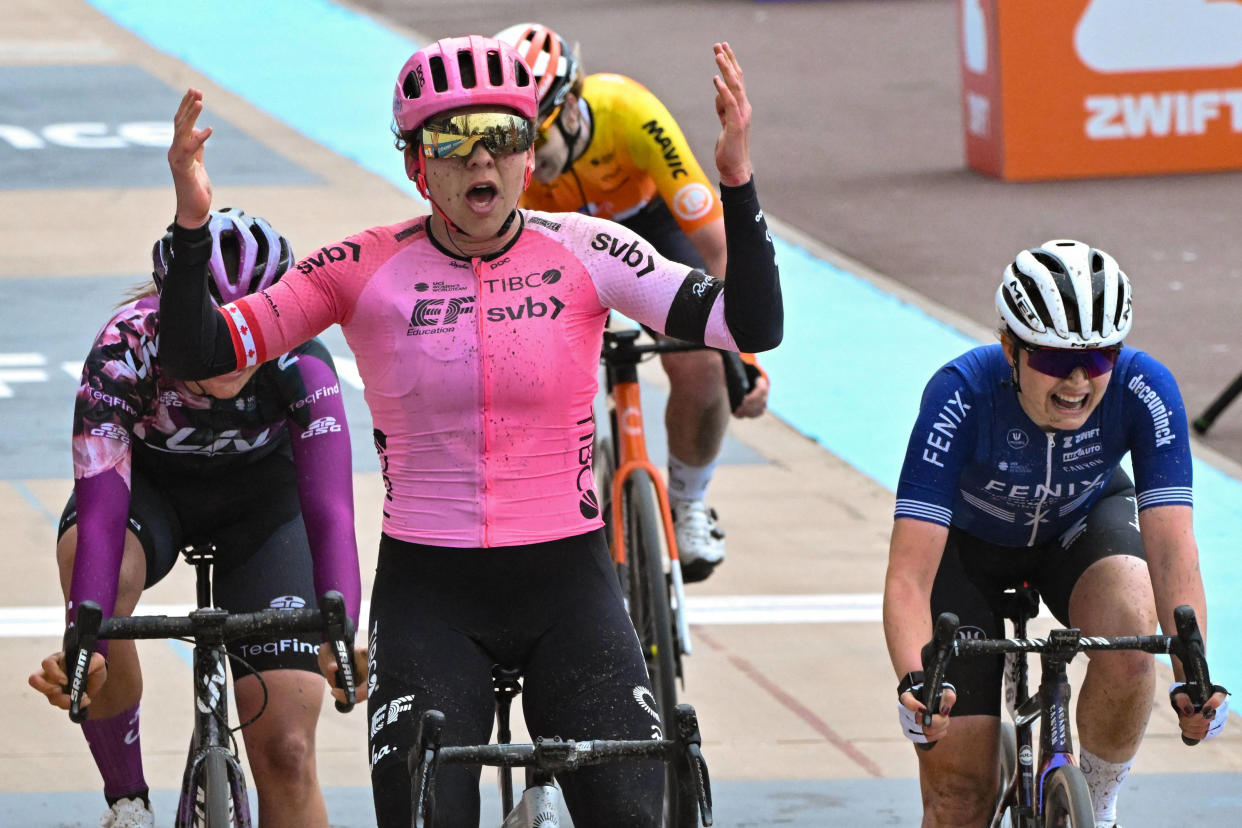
{"points": [[1011, 475]]}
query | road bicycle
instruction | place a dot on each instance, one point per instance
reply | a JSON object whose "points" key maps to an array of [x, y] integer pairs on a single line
{"points": [[1051, 791], [213, 788], [639, 522], [540, 803]]}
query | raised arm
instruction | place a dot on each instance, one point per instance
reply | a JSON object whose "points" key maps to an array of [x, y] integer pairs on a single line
{"points": [[752, 290], [195, 342]]}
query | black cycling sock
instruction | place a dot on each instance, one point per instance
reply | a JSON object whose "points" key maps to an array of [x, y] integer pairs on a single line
{"points": [[144, 795]]}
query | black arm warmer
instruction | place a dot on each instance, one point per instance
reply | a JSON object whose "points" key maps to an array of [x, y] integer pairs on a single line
{"points": [[194, 338], [752, 286]]}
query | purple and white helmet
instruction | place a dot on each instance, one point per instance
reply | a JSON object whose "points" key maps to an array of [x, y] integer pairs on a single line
{"points": [[247, 256]]}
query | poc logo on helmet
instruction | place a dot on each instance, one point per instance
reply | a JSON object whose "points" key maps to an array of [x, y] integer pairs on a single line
{"points": [[285, 602]]}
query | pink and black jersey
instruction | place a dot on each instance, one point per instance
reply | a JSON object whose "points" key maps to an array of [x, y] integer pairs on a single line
{"points": [[480, 373], [130, 414]]}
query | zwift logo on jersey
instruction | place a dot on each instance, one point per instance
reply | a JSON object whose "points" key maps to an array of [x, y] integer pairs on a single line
{"points": [[1074, 450], [627, 251], [438, 315], [1160, 414], [336, 253], [667, 150]]}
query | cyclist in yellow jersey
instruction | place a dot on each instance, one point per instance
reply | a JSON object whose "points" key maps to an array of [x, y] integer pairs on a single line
{"points": [[608, 147]]}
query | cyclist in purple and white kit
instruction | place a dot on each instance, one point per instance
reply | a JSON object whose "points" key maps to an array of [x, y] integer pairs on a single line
{"points": [[1012, 475], [256, 462], [477, 332]]}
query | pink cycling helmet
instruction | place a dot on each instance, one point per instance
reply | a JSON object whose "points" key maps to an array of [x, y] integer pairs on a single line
{"points": [[258, 256], [462, 71]]}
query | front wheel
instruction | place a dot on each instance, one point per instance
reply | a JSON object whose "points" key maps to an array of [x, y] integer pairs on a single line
{"points": [[216, 794], [1067, 799], [653, 621]]}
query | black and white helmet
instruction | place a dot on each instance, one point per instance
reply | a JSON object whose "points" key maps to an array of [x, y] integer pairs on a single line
{"points": [[1065, 294]]}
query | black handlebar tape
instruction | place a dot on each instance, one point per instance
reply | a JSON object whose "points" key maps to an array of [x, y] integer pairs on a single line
{"points": [[421, 765], [340, 634], [79, 645], [935, 665], [1194, 660]]}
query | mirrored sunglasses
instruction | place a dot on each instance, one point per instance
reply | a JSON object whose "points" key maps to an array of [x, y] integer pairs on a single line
{"points": [[500, 133], [1061, 362]]}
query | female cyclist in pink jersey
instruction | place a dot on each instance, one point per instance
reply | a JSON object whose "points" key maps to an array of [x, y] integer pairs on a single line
{"points": [[477, 331]]}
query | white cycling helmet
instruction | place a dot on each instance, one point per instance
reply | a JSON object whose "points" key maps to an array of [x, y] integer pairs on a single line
{"points": [[1065, 294]]}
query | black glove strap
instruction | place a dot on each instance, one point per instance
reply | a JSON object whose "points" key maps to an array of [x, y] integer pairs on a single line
{"points": [[1184, 688], [911, 681]]}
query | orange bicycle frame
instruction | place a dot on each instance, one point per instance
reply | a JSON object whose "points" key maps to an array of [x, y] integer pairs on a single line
{"points": [[631, 448]]}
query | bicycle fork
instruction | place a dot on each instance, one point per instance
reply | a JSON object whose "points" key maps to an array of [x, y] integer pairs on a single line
{"points": [[1056, 744], [211, 697]]}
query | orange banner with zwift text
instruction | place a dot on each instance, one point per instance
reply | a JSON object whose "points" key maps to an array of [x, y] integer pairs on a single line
{"points": [[1082, 88]]}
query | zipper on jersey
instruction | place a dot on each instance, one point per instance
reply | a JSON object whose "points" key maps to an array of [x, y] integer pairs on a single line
{"points": [[1039, 507], [476, 264]]}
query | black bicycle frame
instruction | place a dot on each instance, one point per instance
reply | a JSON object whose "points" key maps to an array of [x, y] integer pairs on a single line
{"points": [[1050, 704], [210, 629]]}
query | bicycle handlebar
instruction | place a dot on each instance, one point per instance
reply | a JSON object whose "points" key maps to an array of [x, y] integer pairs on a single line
{"points": [[1194, 661], [553, 756], [557, 755], [935, 667], [212, 625], [1187, 645], [621, 347]]}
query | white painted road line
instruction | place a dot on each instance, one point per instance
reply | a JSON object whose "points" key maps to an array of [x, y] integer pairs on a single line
{"points": [[705, 610]]}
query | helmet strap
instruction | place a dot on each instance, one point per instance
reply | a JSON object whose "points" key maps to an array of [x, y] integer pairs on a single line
{"points": [[1017, 383], [571, 141], [416, 170]]}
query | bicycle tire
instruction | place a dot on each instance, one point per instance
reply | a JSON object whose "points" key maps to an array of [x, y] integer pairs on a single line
{"points": [[653, 620], [1007, 760], [214, 793], [649, 602], [1067, 799]]}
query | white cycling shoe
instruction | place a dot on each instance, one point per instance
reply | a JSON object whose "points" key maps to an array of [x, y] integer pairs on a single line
{"points": [[700, 541], [127, 813]]}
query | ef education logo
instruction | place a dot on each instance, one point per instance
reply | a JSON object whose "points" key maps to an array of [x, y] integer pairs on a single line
{"points": [[438, 315]]}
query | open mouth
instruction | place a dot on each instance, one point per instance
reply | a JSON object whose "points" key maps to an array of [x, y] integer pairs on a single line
{"points": [[1068, 403], [481, 197]]}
